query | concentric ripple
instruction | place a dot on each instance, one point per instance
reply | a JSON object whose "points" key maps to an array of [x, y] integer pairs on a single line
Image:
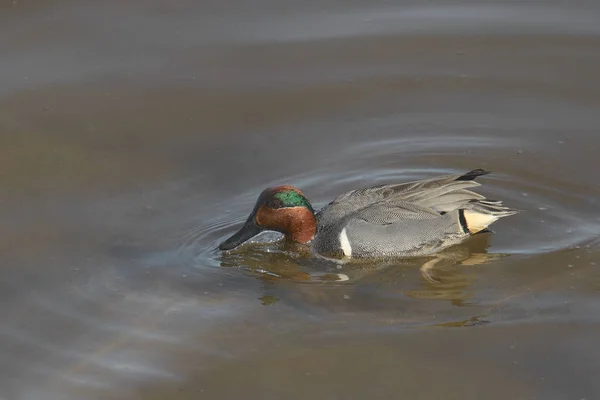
{"points": [[551, 219]]}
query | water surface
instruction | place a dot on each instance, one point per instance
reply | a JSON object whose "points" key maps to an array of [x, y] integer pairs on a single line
{"points": [[135, 136]]}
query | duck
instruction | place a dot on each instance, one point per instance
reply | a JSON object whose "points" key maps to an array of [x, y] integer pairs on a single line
{"points": [[410, 219]]}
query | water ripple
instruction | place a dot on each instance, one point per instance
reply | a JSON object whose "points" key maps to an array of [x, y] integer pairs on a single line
{"points": [[552, 219]]}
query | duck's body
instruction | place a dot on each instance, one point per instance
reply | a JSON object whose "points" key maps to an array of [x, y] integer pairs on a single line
{"points": [[399, 220]]}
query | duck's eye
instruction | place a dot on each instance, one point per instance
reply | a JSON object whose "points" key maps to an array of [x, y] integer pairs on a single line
{"points": [[274, 203]]}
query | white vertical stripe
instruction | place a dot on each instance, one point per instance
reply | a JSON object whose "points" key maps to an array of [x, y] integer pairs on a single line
{"points": [[345, 243]]}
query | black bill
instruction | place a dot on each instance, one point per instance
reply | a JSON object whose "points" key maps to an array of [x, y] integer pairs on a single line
{"points": [[248, 231]]}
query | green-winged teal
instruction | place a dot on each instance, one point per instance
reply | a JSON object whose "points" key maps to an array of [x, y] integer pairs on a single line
{"points": [[407, 219]]}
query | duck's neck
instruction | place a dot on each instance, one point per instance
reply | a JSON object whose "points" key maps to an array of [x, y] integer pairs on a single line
{"points": [[301, 225]]}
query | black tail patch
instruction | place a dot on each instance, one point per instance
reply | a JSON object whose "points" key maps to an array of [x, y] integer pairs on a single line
{"points": [[463, 221], [469, 176]]}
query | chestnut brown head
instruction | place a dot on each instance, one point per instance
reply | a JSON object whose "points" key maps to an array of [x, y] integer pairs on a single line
{"points": [[283, 209]]}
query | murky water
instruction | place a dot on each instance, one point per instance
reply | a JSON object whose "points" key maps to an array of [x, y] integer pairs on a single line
{"points": [[135, 136]]}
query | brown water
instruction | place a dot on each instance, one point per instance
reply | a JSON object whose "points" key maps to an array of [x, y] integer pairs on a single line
{"points": [[135, 136]]}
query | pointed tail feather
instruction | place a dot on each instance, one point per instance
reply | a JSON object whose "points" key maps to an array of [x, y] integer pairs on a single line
{"points": [[469, 176]]}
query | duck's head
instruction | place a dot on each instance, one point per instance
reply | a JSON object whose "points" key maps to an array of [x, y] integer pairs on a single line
{"points": [[283, 209]]}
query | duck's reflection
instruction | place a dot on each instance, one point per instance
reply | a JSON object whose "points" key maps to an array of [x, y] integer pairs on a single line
{"points": [[288, 270]]}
